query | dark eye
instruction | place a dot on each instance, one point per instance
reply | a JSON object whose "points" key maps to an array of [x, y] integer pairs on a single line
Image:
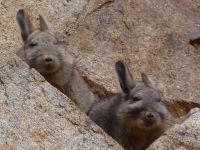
{"points": [[135, 99], [158, 100], [32, 44], [56, 43]]}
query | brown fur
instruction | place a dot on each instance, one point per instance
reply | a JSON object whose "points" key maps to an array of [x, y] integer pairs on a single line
{"points": [[137, 116], [43, 51]]}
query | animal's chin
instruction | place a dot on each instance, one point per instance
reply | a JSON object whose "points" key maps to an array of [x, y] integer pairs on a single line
{"points": [[47, 69], [144, 125], [150, 124]]}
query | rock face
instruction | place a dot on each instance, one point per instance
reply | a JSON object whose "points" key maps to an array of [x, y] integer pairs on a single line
{"points": [[185, 136], [150, 36], [34, 115]]}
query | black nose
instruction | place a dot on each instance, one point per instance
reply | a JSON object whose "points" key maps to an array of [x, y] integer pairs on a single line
{"points": [[149, 115], [48, 60]]}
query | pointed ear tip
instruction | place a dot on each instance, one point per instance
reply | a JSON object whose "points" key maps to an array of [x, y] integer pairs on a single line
{"points": [[44, 23], [119, 63], [20, 12], [143, 74], [41, 17]]}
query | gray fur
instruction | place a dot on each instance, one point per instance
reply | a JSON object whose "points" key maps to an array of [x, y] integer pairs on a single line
{"points": [[48, 56], [135, 117]]}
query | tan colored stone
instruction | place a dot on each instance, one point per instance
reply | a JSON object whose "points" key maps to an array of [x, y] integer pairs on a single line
{"points": [[34, 115], [185, 136], [150, 36]]}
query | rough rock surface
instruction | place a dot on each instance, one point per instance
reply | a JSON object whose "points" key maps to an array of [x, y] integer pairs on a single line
{"points": [[185, 136], [34, 115], [151, 36]]}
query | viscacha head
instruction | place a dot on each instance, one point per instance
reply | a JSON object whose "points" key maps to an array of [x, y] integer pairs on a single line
{"points": [[141, 107], [42, 50]]}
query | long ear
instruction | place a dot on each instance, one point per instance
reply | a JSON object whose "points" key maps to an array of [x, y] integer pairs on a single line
{"points": [[24, 24], [147, 81], [44, 24], [124, 76]]}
